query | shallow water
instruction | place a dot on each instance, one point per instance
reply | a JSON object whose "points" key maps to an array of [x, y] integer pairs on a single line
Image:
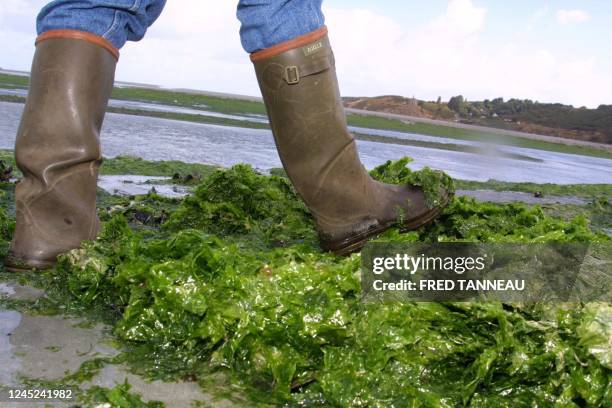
{"points": [[46, 348], [163, 139], [9, 321], [154, 107], [157, 107], [519, 196], [136, 185]]}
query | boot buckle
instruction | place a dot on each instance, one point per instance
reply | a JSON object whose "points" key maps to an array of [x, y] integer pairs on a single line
{"points": [[292, 75]]}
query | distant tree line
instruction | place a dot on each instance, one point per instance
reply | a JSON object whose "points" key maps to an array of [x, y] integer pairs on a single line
{"points": [[553, 115]]}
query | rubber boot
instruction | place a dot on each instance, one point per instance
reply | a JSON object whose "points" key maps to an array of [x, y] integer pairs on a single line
{"points": [[300, 90], [58, 147]]}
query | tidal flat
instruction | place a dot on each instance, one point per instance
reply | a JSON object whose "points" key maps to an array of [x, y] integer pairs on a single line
{"points": [[222, 296], [227, 289]]}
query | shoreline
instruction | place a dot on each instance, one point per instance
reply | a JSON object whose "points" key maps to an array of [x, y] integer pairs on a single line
{"points": [[374, 122], [504, 132], [127, 86]]}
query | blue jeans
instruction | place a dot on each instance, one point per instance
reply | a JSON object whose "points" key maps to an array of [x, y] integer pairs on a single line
{"points": [[264, 23]]}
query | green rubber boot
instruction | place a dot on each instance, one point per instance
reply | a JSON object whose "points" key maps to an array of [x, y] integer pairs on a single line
{"points": [[299, 86], [58, 147]]}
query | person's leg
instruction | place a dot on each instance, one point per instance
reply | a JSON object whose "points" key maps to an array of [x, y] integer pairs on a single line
{"points": [[297, 78], [265, 23], [57, 147], [117, 21]]}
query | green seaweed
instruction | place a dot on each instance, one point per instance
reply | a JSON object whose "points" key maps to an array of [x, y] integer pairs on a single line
{"points": [[434, 183], [117, 397], [234, 281], [122, 165], [241, 203]]}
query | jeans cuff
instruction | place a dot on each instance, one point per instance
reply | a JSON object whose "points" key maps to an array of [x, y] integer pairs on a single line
{"points": [[80, 35]]}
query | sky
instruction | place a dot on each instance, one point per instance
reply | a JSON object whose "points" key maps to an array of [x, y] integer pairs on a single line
{"points": [[547, 51]]}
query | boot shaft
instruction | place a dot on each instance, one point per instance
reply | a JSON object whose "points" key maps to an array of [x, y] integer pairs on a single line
{"points": [[58, 149], [302, 98], [70, 84]]}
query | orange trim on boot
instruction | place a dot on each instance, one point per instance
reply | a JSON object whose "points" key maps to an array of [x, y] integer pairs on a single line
{"points": [[289, 45], [80, 35]]}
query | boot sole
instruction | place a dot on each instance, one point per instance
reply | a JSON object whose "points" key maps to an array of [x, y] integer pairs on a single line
{"points": [[16, 265], [357, 242]]}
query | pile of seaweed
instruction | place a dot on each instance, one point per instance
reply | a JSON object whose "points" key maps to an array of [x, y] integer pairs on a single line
{"points": [[234, 280]]}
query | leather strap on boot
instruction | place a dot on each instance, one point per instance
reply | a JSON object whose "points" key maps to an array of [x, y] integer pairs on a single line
{"points": [[58, 147]]}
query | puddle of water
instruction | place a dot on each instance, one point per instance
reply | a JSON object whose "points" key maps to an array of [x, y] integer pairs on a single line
{"points": [[163, 139], [49, 347], [511, 196], [6, 289], [20, 292], [9, 362], [14, 92], [137, 185], [176, 395]]}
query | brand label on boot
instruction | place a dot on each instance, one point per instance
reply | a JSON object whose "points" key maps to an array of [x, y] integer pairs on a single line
{"points": [[312, 48]]}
